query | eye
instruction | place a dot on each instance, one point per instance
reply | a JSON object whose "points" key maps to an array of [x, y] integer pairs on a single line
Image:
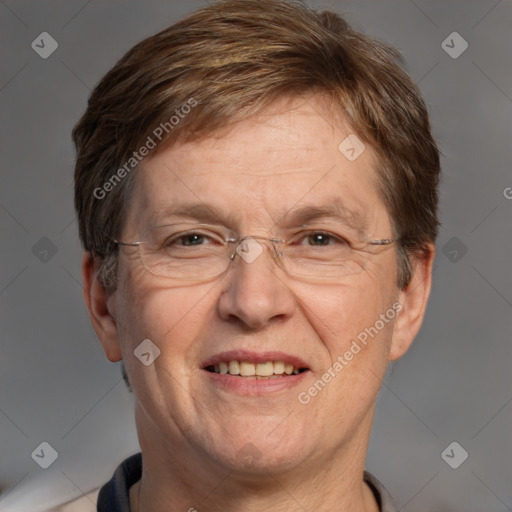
{"points": [[322, 238], [191, 239], [179, 238], [185, 239]]}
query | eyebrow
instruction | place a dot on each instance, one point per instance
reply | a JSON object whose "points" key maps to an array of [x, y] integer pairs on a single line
{"points": [[332, 209], [197, 211]]}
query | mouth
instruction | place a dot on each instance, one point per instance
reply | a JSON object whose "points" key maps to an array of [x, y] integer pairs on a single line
{"points": [[255, 373], [264, 370]]}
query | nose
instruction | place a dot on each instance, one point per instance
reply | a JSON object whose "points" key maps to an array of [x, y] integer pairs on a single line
{"points": [[255, 293]]}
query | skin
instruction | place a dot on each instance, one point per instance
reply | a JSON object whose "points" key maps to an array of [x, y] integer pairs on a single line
{"points": [[190, 430]]}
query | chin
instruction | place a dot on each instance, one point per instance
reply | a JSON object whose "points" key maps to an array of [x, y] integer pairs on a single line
{"points": [[261, 456]]}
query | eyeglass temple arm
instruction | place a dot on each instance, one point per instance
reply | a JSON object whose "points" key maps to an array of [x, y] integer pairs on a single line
{"points": [[117, 242], [383, 241]]}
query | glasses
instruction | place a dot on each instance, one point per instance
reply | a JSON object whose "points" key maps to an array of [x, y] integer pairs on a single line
{"points": [[198, 252]]}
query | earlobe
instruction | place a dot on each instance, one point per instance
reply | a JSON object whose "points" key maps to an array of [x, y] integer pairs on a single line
{"points": [[101, 308], [413, 298]]}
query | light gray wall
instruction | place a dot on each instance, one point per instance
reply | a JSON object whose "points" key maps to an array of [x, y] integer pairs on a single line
{"points": [[455, 384]]}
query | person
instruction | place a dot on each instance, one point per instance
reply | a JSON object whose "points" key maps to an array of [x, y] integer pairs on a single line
{"points": [[256, 192]]}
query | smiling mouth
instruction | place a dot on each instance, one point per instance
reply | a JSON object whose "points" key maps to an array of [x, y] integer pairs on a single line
{"points": [[267, 370]]}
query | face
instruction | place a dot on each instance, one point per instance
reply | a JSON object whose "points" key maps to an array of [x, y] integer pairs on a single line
{"points": [[256, 175]]}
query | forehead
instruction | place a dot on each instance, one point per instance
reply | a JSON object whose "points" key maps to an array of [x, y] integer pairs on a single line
{"points": [[283, 165]]}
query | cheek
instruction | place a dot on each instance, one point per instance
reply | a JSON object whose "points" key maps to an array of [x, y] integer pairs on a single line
{"points": [[355, 342], [171, 317], [342, 313]]}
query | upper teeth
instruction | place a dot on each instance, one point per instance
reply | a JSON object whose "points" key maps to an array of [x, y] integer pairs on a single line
{"points": [[246, 369]]}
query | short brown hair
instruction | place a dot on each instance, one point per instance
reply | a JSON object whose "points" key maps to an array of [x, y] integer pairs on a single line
{"points": [[230, 60]]}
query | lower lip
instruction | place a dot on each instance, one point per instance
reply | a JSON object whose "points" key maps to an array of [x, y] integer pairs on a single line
{"points": [[253, 385]]}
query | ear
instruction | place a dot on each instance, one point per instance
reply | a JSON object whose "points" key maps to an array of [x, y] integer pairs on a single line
{"points": [[101, 308], [413, 299]]}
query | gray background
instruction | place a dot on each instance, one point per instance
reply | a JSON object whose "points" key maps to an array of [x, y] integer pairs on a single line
{"points": [[455, 384]]}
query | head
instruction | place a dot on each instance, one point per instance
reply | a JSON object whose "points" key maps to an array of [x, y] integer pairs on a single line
{"points": [[243, 106]]}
